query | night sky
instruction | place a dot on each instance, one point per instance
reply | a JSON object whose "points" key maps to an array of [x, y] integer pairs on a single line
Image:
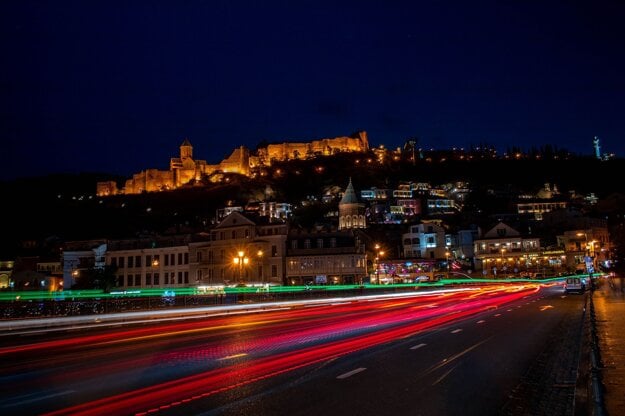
{"points": [[116, 86]]}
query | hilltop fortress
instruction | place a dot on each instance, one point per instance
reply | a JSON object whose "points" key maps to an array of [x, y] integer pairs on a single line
{"points": [[184, 169]]}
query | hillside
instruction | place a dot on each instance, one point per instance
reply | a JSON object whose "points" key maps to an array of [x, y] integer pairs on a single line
{"points": [[65, 207]]}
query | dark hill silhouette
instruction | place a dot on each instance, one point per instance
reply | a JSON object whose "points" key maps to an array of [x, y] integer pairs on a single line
{"points": [[65, 206]]}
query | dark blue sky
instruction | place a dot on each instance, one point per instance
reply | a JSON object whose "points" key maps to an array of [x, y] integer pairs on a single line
{"points": [[115, 86]]}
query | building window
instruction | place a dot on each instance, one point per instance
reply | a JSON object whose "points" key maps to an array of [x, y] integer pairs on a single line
{"points": [[274, 251], [233, 234], [120, 281], [198, 275], [114, 261], [130, 280], [137, 280], [121, 262], [333, 242], [274, 270], [180, 278], [320, 243], [148, 260], [172, 259], [131, 262], [294, 244], [186, 277], [180, 258], [156, 259], [166, 260], [137, 261], [307, 243], [247, 233], [166, 277], [198, 256], [156, 279], [148, 279]]}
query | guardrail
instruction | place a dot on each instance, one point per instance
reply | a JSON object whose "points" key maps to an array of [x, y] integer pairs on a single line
{"points": [[596, 385]]}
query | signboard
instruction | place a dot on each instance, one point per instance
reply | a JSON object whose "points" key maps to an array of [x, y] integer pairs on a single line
{"points": [[590, 268], [321, 279]]}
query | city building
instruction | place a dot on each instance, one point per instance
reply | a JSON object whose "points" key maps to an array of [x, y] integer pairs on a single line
{"points": [[502, 251], [425, 240], [240, 249], [80, 256], [586, 247], [150, 262], [6, 269], [326, 257]]}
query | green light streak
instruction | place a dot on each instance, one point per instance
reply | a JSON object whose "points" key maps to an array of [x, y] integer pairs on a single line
{"points": [[9, 296]]}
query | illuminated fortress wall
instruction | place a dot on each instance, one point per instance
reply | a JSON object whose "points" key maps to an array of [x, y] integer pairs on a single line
{"points": [[184, 169], [325, 147]]}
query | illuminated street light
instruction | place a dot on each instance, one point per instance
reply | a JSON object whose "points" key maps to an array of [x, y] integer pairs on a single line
{"points": [[260, 262], [241, 260], [378, 254]]}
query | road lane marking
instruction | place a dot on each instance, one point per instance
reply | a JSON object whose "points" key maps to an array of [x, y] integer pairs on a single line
{"points": [[351, 373], [446, 361], [497, 314], [416, 347], [481, 321], [38, 398], [509, 310], [455, 331], [544, 308], [441, 378]]}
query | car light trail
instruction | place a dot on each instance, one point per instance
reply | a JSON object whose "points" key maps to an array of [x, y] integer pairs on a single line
{"points": [[291, 343]]}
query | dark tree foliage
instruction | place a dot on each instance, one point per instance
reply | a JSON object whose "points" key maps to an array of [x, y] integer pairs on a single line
{"points": [[97, 278]]}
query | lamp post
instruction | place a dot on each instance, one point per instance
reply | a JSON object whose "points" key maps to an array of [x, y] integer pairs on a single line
{"points": [[260, 261], [378, 254], [503, 266], [154, 268], [240, 260], [447, 254]]}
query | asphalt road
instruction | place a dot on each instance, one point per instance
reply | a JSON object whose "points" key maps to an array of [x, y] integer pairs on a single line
{"points": [[456, 353]]}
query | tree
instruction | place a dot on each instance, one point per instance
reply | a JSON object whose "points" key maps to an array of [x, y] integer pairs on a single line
{"points": [[97, 278]]}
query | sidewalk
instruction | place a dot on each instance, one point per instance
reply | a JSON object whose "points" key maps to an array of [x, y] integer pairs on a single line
{"points": [[609, 300]]}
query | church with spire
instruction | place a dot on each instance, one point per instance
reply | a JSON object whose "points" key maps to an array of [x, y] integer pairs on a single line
{"points": [[351, 212]]}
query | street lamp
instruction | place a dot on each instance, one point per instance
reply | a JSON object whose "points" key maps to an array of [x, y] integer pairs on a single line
{"points": [[447, 254], [378, 254], [240, 260], [155, 264], [260, 261]]}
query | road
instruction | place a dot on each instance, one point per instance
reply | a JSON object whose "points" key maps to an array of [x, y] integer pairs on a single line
{"points": [[461, 352]]}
